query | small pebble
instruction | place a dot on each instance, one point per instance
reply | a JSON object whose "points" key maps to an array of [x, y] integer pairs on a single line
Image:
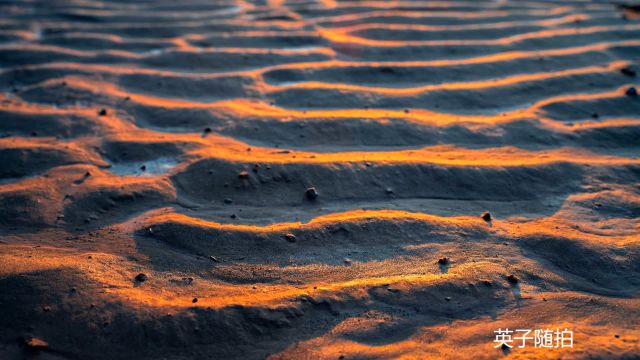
{"points": [[34, 343], [486, 216], [628, 72], [207, 130], [631, 92], [214, 259], [443, 261], [195, 300], [512, 279], [228, 201], [141, 277], [311, 193], [290, 238], [102, 112], [243, 175]]}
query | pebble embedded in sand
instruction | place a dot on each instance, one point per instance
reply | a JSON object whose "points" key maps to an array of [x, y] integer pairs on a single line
{"points": [[141, 277], [443, 261], [290, 238], [207, 130], [631, 91], [102, 112], [195, 300], [311, 193], [34, 343], [228, 201], [389, 190], [512, 279], [486, 216], [243, 175], [628, 72], [214, 259]]}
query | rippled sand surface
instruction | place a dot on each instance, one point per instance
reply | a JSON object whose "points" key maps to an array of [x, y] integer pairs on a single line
{"points": [[181, 140]]}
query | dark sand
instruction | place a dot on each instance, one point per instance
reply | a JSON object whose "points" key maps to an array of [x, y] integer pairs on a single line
{"points": [[178, 140]]}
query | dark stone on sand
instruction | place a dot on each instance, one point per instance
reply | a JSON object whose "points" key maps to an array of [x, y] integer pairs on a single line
{"points": [[290, 238], [243, 175], [628, 72], [505, 347], [486, 216], [595, 115], [443, 261], [143, 167], [389, 190], [46, 308], [228, 201], [102, 112], [631, 91], [207, 130], [311, 193], [141, 277], [512, 279], [195, 300], [233, 216], [256, 167], [214, 259], [34, 343]]}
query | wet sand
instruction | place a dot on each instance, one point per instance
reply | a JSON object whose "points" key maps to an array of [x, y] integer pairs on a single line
{"points": [[181, 140]]}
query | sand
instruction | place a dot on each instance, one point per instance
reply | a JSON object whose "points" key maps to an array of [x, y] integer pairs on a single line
{"points": [[297, 179]]}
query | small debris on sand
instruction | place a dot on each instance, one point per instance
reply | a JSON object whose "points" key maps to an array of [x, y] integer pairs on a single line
{"points": [[243, 175], [512, 279], [347, 261], [389, 190], [195, 300], [628, 72], [595, 115], [34, 343], [290, 238], [448, 298], [486, 216], [143, 167], [233, 216], [443, 261], [228, 201], [311, 193], [631, 91], [207, 130], [141, 277], [102, 112], [214, 259], [46, 308]]}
